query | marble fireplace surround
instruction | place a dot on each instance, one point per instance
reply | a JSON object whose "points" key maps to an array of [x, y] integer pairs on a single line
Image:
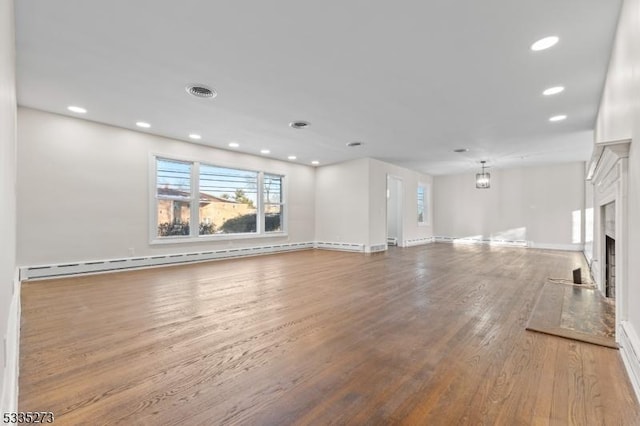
{"points": [[608, 173]]}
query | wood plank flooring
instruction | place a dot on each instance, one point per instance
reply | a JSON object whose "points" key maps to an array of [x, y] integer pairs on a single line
{"points": [[429, 335], [575, 312]]}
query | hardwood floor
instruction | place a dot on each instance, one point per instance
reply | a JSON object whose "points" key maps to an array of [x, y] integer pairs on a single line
{"points": [[575, 312], [426, 335]]}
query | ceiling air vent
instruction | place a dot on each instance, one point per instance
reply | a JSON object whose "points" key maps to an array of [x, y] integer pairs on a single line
{"points": [[200, 91], [299, 124]]}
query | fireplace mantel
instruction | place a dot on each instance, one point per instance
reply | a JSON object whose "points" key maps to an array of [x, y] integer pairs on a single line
{"points": [[605, 157], [607, 171]]}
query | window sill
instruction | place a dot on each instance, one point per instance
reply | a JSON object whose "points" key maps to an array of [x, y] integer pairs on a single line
{"points": [[214, 238]]}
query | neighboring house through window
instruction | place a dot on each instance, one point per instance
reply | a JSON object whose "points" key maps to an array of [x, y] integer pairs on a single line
{"points": [[194, 199]]}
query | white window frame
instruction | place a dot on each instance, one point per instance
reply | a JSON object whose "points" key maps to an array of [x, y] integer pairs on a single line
{"points": [[425, 208], [263, 204], [194, 223]]}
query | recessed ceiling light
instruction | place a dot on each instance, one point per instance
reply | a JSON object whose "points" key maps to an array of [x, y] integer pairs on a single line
{"points": [[265, 151], [143, 124], [195, 136], [292, 157], [234, 144], [558, 118], [544, 43], [315, 162], [201, 91], [77, 109], [553, 90], [461, 150], [354, 144], [299, 124]]}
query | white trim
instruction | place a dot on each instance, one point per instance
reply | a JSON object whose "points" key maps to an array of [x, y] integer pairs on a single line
{"points": [[181, 239], [476, 240], [11, 346], [376, 248], [508, 243], [608, 172], [598, 158], [418, 241], [110, 265], [323, 245], [565, 247], [630, 351]]}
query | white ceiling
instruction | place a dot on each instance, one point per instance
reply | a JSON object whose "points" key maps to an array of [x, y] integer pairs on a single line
{"points": [[413, 80]]}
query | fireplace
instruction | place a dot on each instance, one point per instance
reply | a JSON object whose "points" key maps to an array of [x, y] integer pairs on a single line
{"points": [[610, 267], [609, 249], [608, 173]]}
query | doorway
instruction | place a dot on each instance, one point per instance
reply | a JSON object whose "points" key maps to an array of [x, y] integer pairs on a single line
{"points": [[394, 210]]}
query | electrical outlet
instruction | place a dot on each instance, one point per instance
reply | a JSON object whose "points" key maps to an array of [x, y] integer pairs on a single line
{"points": [[132, 251]]}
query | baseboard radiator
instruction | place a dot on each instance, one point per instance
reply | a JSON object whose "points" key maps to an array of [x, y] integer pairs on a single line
{"points": [[77, 268], [418, 241], [475, 240], [339, 246], [630, 351]]}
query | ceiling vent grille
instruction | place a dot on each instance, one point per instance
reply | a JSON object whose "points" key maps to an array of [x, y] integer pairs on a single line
{"points": [[299, 124], [201, 91]]}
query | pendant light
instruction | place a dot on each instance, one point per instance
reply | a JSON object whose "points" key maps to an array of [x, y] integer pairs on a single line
{"points": [[483, 179]]}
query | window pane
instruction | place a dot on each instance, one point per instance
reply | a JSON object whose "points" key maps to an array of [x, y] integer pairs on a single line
{"points": [[272, 189], [228, 199], [173, 178], [272, 218], [173, 217], [421, 215]]}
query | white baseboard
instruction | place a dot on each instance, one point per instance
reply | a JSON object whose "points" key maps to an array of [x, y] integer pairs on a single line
{"points": [[111, 265], [508, 243], [418, 241], [376, 248], [630, 351], [11, 346], [324, 245], [565, 247], [478, 240]]}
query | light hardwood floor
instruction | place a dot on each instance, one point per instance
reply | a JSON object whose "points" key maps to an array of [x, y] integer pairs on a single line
{"points": [[430, 335]]}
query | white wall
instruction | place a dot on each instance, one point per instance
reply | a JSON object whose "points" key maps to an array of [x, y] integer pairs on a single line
{"points": [[342, 202], [8, 293], [83, 190], [541, 205], [619, 118], [412, 231], [361, 218]]}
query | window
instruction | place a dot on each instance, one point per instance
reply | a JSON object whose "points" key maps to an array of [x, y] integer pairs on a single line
{"points": [[173, 192], [228, 202], [194, 200], [272, 203], [422, 211]]}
